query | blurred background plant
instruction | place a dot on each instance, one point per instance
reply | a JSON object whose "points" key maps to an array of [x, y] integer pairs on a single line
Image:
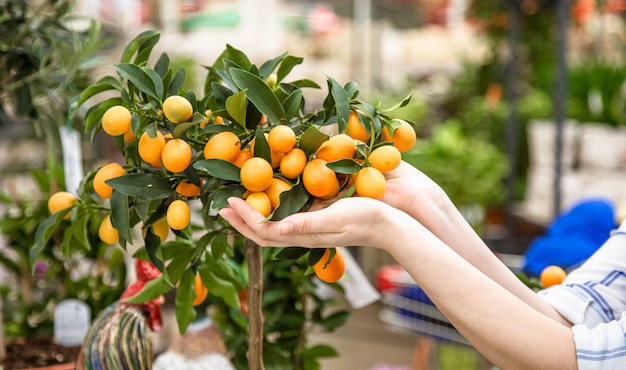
{"points": [[96, 276]]}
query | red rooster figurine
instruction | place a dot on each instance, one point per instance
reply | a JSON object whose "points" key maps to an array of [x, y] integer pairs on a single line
{"points": [[118, 338]]}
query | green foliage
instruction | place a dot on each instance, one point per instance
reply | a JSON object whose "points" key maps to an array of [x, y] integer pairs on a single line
{"points": [[95, 273], [45, 63]]}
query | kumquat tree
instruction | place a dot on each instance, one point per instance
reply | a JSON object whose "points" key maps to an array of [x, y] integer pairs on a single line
{"points": [[248, 135]]}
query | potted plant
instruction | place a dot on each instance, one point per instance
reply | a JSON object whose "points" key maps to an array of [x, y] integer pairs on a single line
{"points": [[185, 153]]}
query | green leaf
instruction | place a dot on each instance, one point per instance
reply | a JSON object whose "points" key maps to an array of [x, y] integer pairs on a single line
{"points": [[42, 235], [180, 128], [287, 65], [345, 166], [152, 248], [335, 320], [236, 105], [177, 82], [162, 65], [218, 286], [268, 66], [220, 199], [142, 186], [401, 104], [185, 294], [311, 140], [156, 81], [153, 288], [104, 84], [133, 45], [342, 103], [139, 78], [293, 103], [219, 168], [261, 146], [290, 202], [120, 217], [259, 94], [320, 350], [292, 253]]}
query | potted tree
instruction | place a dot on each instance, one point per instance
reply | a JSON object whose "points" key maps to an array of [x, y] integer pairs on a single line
{"points": [[185, 153]]}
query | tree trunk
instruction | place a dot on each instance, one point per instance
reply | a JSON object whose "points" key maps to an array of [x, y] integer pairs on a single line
{"points": [[255, 313]]}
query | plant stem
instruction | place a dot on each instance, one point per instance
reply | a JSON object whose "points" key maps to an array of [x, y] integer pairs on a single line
{"points": [[255, 294], [3, 353]]}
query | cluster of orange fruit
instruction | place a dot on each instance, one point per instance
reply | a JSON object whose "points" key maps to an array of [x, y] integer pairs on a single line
{"points": [[264, 181]]}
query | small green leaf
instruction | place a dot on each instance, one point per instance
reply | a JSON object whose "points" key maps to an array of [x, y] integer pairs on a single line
{"points": [[236, 106], [290, 202], [259, 94], [401, 104], [120, 217], [142, 186], [185, 294], [293, 103], [133, 45], [320, 350], [153, 288], [346, 166], [219, 168], [220, 199], [104, 84], [261, 146], [177, 82], [156, 81], [152, 248], [218, 286], [287, 65], [335, 320], [139, 78], [42, 235], [292, 253], [162, 65], [311, 140], [342, 103]]}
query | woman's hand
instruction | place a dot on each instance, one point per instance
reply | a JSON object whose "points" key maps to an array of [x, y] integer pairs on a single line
{"points": [[350, 221]]}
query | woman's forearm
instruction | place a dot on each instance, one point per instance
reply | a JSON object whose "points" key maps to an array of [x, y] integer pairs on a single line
{"points": [[447, 223], [491, 318]]}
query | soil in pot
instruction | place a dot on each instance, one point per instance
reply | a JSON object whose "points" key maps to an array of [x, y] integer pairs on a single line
{"points": [[36, 353]]}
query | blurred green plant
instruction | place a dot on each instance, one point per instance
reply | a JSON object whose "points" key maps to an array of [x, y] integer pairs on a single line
{"points": [[95, 275], [469, 169]]}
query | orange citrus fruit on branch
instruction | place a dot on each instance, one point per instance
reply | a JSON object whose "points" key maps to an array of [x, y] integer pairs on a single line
{"points": [[150, 148], [61, 200], [293, 163], [177, 109], [260, 202], [178, 214], [275, 189], [188, 189], [105, 173], [224, 145], [242, 157], [318, 179], [355, 129], [281, 138], [330, 271], [403, 137], [116, 120], [201, 290], [176, 155], [385, 158], [337, 147], [370, 182], [552, 275], [256, 174], [106, 232]]}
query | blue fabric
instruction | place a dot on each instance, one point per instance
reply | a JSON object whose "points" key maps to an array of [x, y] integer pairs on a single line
{"points": [[572, 237]]}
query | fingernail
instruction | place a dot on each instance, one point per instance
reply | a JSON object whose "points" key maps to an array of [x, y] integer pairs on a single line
{"points": [[285, 228]]}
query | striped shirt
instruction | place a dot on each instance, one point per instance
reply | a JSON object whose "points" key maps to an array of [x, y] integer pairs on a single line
{"points": [[593, 299]]}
